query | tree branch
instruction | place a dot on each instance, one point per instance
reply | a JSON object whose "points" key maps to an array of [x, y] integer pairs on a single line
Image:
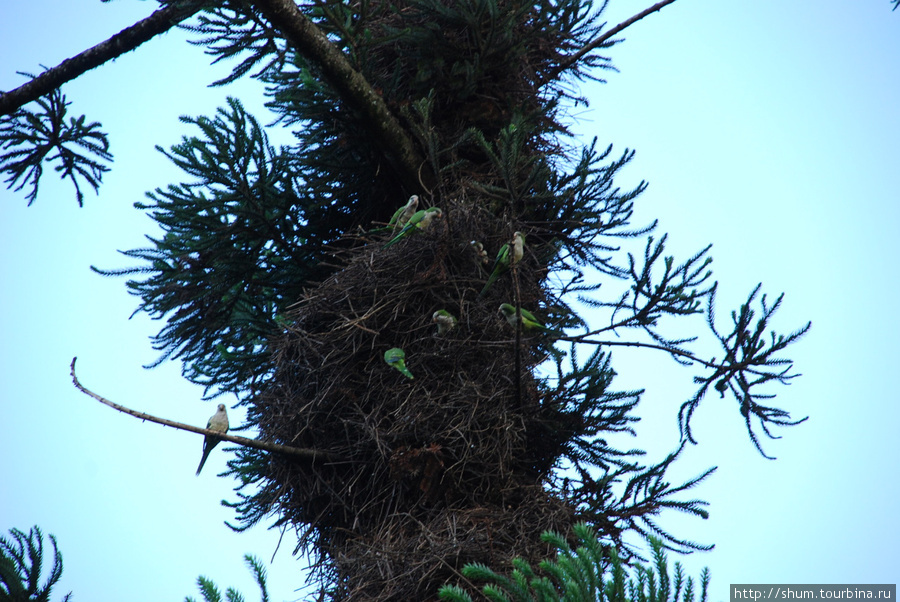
{"points": [[126, 40], [297, 29], [309, 454], [597, 42], [350, 85], [672, 350]]}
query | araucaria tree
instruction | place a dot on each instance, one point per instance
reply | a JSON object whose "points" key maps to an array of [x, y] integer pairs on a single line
{"points": [[455, 421]]}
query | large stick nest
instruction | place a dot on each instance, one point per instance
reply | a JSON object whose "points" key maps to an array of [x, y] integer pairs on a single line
{"points": [[420, 471]]}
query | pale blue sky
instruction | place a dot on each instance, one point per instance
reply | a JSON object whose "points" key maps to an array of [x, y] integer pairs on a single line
{"points": [[770, 129]]}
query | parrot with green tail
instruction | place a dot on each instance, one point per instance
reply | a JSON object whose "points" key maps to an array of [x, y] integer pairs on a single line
{"points": [[401, 216], [510, 253], [444, 320], [529, 322], [396, 359], [420, 221]]}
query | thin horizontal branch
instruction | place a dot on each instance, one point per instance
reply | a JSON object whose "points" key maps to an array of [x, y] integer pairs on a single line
{"points": [[744, 366], [686, 355], [126, 40], [351, 86], [309, 454], [599, 41]]}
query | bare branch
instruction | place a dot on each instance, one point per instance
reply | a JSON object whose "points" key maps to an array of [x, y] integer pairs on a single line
{"points": [[126, 40], [309, 454], [352, 87], [597, 42]]}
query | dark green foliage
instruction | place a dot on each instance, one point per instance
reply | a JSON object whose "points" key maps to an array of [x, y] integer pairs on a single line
{"points": [[589, 573], [659, 290], [211, 593], [474, 84], [232, 29], [237, 248], [750, 361], [275, 283], [29, 138], [21, 562]]}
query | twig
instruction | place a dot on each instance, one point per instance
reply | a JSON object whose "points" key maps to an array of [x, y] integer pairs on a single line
{"points": [[599, 41], [125, 41], [309, 454], [674, 351]]}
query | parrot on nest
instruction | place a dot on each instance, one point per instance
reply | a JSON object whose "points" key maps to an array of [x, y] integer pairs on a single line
{"points": [[419, 222], [529, 322], [401, 216], [509, 254], [444, 320], [396, 359]]}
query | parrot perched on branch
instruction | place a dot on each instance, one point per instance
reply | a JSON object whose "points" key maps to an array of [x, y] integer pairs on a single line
{"points": [[396, 358], [444, 320], [419, 222], [402, 215], [217, 422], [529, 322], [509, 254]]}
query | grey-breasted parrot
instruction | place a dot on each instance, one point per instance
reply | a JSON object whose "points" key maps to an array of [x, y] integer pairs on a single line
{"points": [[217, 422], [419, 221], [529, 322], [401, 216], [510, 253], [480, 254], [444, 320], [396, 358]]}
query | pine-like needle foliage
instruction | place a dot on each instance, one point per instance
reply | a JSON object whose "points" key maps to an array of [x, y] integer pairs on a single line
{"points": [[588, 573], [275, 283], [29, 138], [210, 592], [238, 247], [21, 565], [272, 289]]}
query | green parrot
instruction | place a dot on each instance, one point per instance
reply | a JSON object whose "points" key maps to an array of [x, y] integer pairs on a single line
{"points": [[510, 253], [419, 221], [396, 358], [402, 215], [529, 322], [218, 422], [444, 320]]}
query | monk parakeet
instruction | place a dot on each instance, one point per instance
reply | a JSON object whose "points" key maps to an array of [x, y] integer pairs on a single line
{"points": [[396, 358], [518, 247], [444, 320], [510, 253], [218, 422], [480, 254], [419, 221], [401, 216], [529, 322]]}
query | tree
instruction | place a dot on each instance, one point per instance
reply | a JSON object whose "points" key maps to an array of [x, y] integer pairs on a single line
{"points": [[210, 592], [276, 287], [584, 574], [21, 564]]}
